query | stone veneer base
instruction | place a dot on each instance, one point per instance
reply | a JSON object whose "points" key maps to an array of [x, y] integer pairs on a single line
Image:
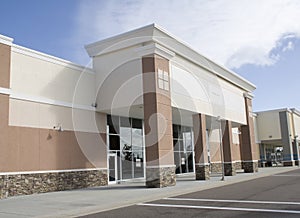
{"points": [[250, 166], [216, 167], [160, 177], [230, 169], [26, 184], [202, 172]]}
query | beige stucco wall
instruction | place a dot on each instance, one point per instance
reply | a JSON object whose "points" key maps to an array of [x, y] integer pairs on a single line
{"points": [[39, 115], [296, 120], [195, 89], [46, 92], [119, 81], [268, 124], [36, 77]]}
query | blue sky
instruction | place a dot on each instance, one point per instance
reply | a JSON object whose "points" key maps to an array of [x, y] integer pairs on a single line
{"points": [[260, 40]]}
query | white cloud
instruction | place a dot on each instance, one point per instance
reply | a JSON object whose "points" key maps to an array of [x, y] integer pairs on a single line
{"points": [[232, 32], [289, 46]]}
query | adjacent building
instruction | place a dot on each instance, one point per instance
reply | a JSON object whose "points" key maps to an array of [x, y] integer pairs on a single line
{"points": [[278, 137], [150, 107]]}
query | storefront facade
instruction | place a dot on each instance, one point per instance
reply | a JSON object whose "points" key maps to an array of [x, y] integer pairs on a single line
{"points": [[149, 108]]}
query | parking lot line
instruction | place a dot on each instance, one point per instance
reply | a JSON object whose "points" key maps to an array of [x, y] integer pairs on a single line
{"points": [[234, 201], [220, 208], [291, 175]]}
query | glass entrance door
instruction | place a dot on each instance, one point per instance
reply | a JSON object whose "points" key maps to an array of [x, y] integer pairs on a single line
{"points": [[112, 168]]}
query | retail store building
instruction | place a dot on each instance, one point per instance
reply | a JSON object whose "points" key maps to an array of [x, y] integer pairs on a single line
{"points": [[278, 137], [149, 108]]}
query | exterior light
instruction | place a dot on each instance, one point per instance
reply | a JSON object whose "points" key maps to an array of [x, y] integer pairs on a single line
{"points": [[58, 127]]}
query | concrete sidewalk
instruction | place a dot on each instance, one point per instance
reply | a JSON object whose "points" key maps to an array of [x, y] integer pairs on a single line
{"points": [[92, 200]]}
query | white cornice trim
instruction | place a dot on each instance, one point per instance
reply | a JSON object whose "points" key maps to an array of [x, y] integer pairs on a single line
{"points": [[155, 48], [273, 110], [6, 40], [5, 91], [248, 95], [50, 58], [50, 171], [49, 101], [295, 111], [155, 34]]}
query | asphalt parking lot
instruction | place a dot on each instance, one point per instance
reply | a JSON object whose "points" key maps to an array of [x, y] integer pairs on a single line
{"points": [[273, 196]]}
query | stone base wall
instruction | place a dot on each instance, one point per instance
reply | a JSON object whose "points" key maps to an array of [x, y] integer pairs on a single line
{"points": [[160, 177], [216, 167], [26, 184], [202, 172], [250, 166], [238, 165], [230, 169]]}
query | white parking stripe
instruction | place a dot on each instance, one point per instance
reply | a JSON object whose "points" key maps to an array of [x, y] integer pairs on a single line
{"points": [[221, 208], [234, 201], [291, 175]]}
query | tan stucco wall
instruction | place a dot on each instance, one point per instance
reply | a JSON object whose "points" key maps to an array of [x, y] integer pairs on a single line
{"points": [[33, 149], [268, 124]]}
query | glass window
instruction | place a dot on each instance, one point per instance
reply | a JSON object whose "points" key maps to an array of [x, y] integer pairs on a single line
{"points": [[113, 124], [183, 149], [187, 138], [114, 142], [125, 135], [163, 80], [183, 162], [125, 122], [177, 162], [190, 162], [176, 144], [126, 164], [138, 164], [137, 124]]}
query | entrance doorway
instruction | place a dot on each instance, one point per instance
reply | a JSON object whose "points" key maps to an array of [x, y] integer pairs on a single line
{"points": [[112, 169], [125, 139]]}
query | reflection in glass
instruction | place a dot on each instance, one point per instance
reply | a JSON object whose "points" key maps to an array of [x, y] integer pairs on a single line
{"points": [[126, 164], [125, 135], [138, 163]]}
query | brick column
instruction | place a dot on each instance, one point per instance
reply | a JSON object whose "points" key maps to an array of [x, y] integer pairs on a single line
{"points": [[248, 145], [160, 167], [229, 165], [200, 147]]}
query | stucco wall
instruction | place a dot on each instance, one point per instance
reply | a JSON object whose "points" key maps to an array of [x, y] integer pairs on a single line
{"points": [[268, 124], [195, 89]]}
